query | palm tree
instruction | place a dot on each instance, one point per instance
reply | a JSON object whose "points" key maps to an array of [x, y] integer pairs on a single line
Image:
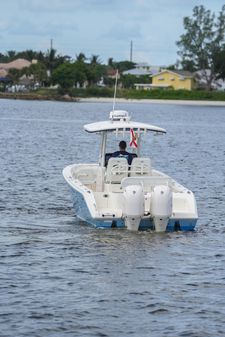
{"points": [[96, 70], [95, 60], [111, 63], [27, 54], [11, 54], [81, 57]]}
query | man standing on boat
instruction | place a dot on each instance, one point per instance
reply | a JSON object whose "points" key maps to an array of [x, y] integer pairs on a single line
{"points": [[123, 153]]}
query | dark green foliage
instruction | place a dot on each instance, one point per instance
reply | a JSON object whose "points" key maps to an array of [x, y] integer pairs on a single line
{"points": [[128, 81], [39, 72], [219, 63], [121, 66], [174, 94], [124, 65], [147, 94], [202, 42], [75, 93], [14, 75], [64, 75]]}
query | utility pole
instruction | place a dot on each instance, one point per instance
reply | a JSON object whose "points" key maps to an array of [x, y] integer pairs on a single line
{"points": [[51, 45], [49, 71], [131, 51]]}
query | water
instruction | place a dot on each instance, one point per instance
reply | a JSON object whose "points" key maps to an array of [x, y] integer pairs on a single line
{"points": [[59, 277]]}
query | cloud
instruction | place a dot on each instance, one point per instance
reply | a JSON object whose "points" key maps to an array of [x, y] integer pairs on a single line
{"points": [[4, 24], [65, 6], [27, 27], [50, 5], [124, 31], [103, 27]]}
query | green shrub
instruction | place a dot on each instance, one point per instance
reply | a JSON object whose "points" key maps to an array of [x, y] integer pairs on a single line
{"points": [[136, 94]]}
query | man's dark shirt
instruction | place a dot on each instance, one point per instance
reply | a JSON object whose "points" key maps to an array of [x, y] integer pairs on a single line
{"points": [[123, 154]]}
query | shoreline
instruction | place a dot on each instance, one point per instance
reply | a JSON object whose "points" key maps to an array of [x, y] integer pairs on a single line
{"points": [[67, 98], [152, 101], [37, 97]]}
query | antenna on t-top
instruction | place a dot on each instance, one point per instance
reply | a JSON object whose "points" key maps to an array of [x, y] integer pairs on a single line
{"points": [[114, 99]]}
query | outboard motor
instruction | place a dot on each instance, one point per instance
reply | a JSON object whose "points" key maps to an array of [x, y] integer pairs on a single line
{"points": [[161, 207], [133, 208]]}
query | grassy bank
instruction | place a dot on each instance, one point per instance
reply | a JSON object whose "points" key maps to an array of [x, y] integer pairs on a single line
{"points": [[42, 94], [150, 94], [75, 94]]}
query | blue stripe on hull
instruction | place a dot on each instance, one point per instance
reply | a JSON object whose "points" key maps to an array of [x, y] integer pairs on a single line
{"points": [[83, 213]]}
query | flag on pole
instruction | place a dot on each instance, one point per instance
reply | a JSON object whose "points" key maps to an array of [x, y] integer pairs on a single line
{"points": [[133, 139]]}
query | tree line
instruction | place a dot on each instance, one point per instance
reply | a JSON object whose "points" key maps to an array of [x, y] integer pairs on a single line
{"points": [[52, 68]]}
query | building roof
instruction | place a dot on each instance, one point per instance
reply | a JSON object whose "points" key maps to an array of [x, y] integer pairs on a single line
{"points": [[17, 64], [137, 72], [143, 69], [111, 72], [181, 73], [3, 73], [142, 65], [155, 69], [184, 73]]}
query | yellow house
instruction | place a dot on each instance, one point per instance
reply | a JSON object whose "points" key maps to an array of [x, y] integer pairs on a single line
{"points": [[177, 79]]}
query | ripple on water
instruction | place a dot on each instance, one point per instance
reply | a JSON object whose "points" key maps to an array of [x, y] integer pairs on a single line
{"points": [[60, 277]]}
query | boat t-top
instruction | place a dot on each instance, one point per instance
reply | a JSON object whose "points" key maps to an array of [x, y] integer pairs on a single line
{"points": [[114, 193]]}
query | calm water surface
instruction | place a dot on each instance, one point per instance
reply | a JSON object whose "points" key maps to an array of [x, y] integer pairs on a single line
{"points": [[60, 277]]}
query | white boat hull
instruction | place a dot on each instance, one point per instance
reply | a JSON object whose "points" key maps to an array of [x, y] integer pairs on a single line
{"points": [[184, 213], [82, 212]]}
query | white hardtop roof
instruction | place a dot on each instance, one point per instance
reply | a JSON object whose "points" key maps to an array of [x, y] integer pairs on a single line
{"points": [[123, 124]]}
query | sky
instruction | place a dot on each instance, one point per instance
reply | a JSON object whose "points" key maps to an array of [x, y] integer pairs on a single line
{"points": [[99, 27]]}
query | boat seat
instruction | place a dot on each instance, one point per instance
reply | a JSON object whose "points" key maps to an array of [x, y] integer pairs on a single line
{"points": [[117, 169], [140, 167], [107, 157], [110, 155]]}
